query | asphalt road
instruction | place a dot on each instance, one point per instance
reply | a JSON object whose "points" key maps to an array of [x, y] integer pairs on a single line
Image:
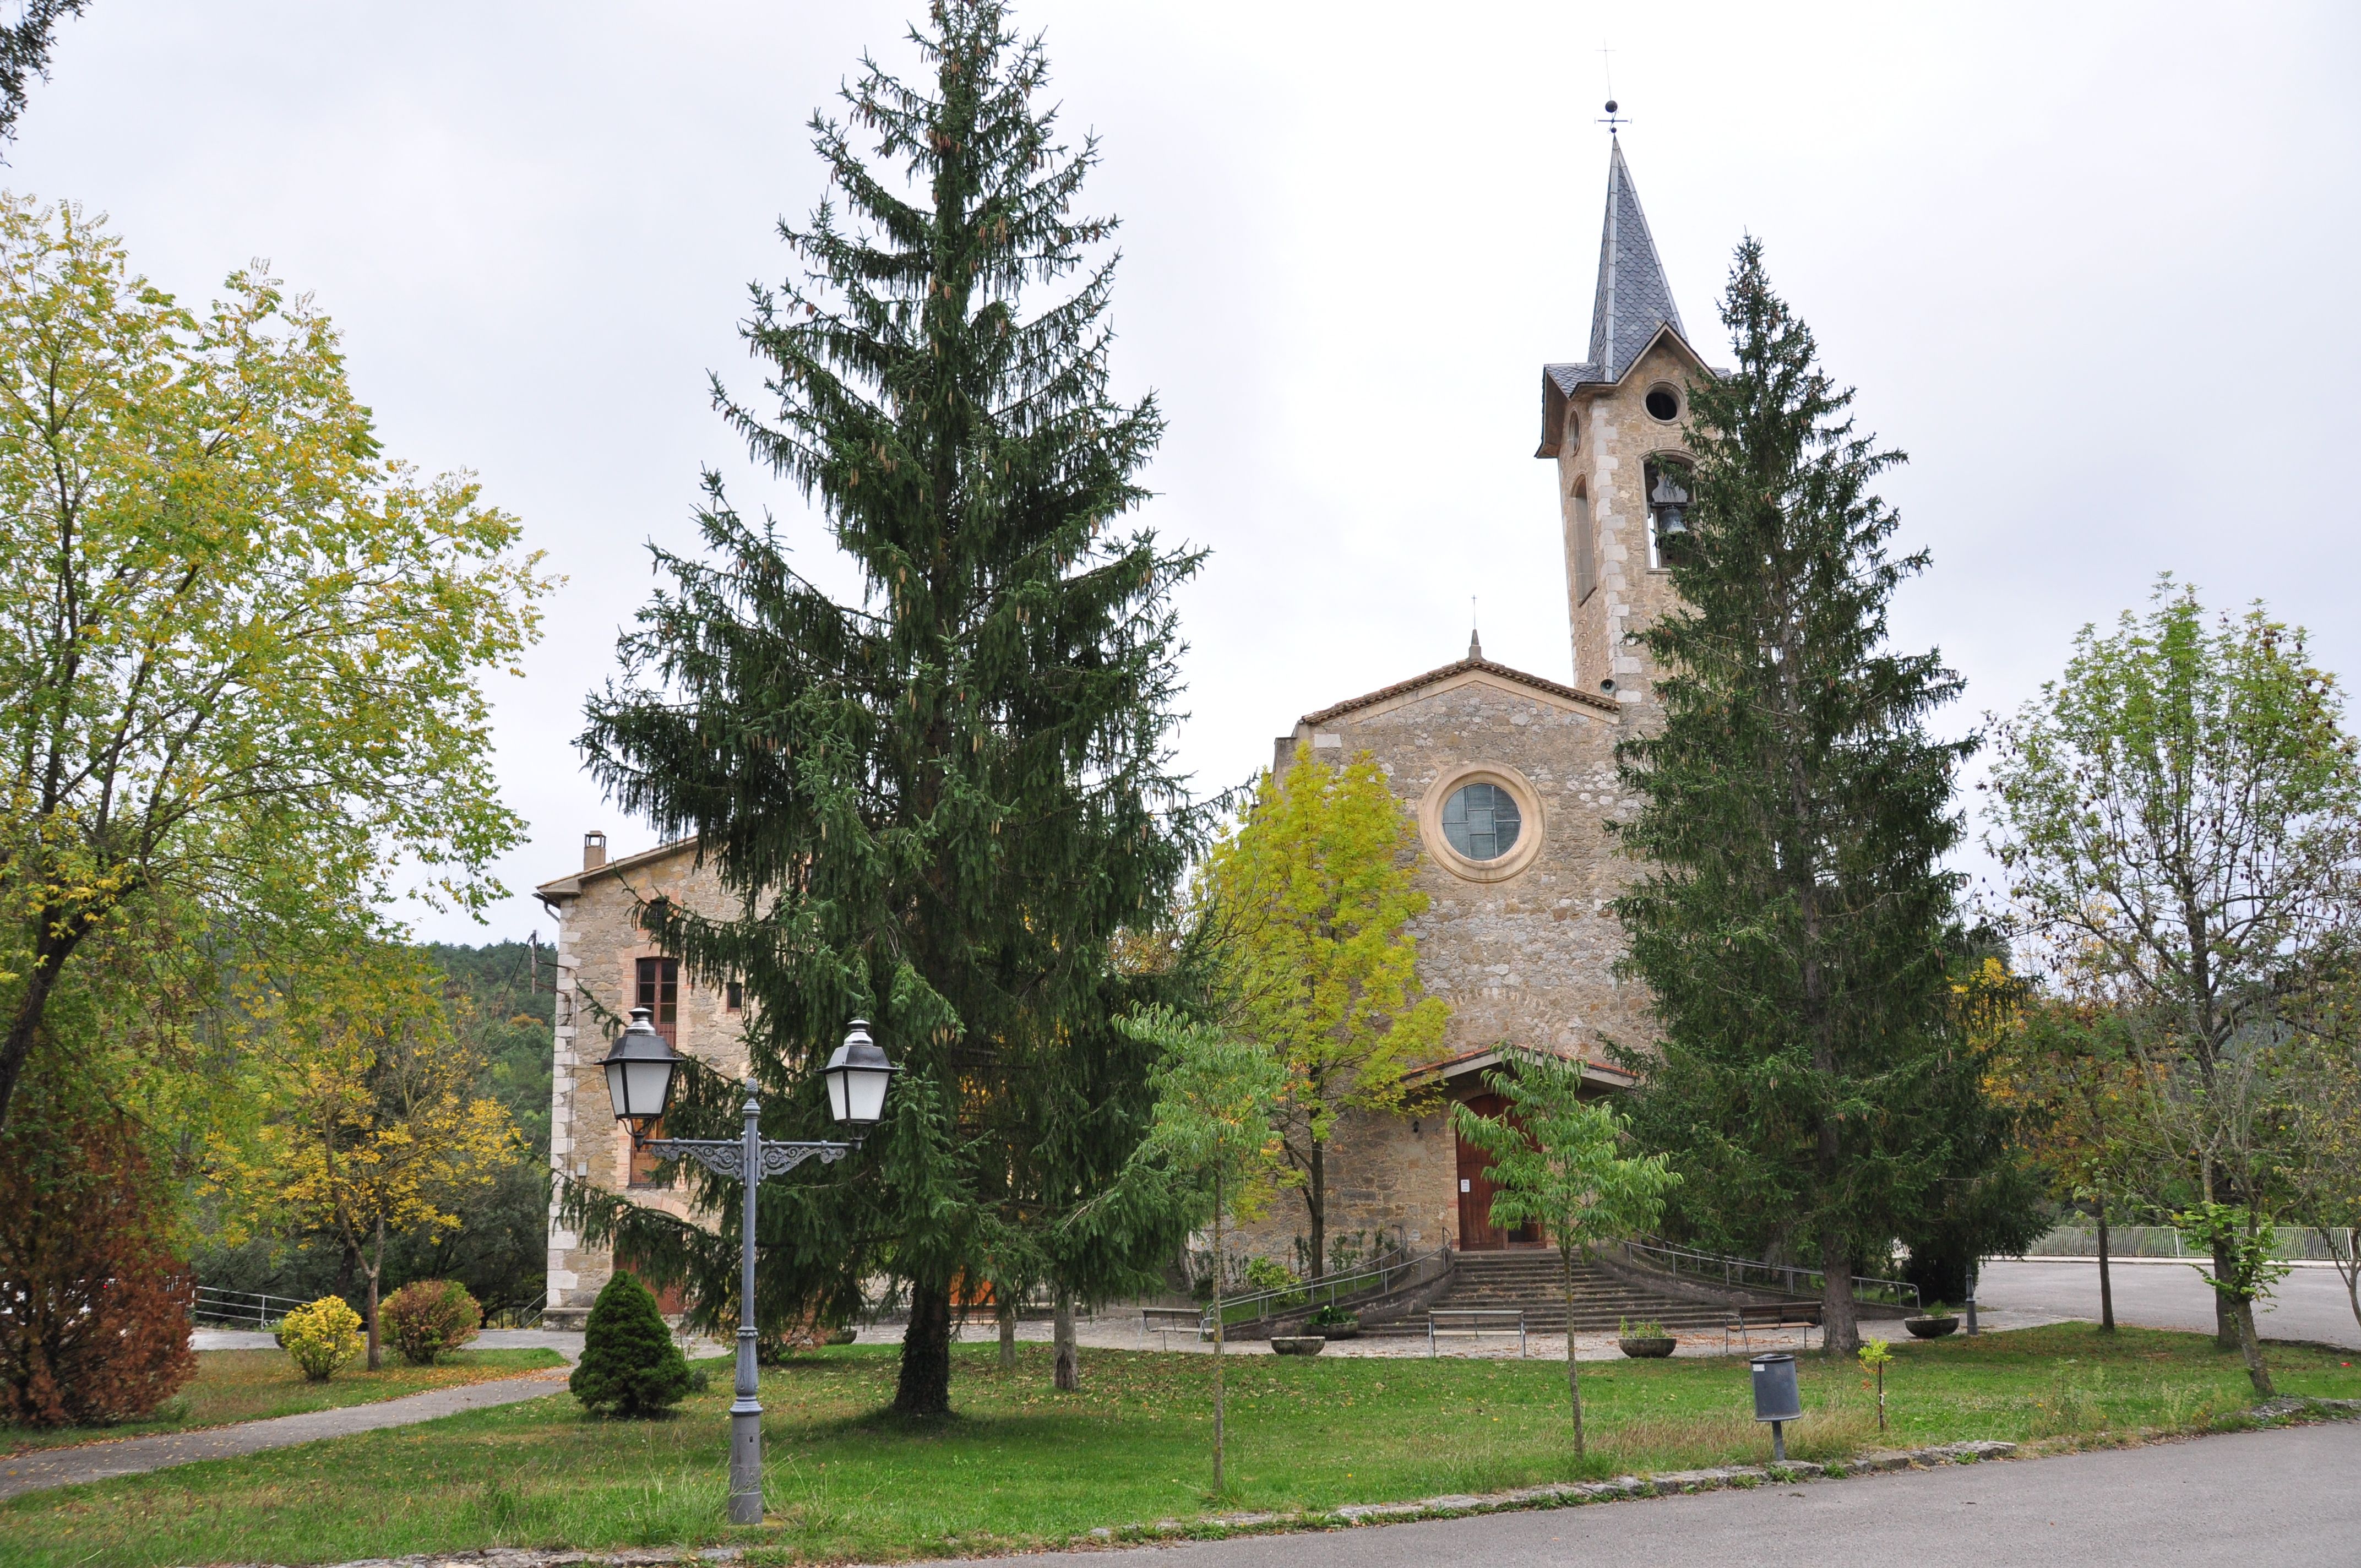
{"points": [[2308, 1304], [2235, 1502]]}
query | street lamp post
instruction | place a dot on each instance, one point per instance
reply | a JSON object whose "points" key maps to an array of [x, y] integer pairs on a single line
{"points": [[640, 1075]]}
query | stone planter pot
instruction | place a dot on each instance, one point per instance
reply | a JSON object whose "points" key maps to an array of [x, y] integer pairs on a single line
{"points": [[1298, 1344], [1336, 1330], [1930, 1328], [841, 1336], [1647, 1349]]}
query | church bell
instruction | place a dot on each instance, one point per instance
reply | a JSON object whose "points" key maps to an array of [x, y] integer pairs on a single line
{"points": [[1671, 504]]}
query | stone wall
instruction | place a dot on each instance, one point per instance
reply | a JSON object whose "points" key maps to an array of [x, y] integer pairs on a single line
{"points": [[1394, 1176]]}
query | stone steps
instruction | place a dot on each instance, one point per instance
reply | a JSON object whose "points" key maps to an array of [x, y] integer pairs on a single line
{"points": [[1533, 1282]]}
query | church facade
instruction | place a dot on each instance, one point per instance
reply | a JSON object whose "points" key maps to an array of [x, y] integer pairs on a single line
{"points": [[1509, 774], [1511, 777]]}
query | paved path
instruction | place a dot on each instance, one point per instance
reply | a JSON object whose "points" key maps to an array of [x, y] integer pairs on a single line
{"points": [[2222, 1502], [566, 1343], [2308, 1304], [129, 1456]]}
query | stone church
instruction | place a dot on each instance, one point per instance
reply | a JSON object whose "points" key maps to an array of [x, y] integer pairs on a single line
{"points": [[1509, 774]]}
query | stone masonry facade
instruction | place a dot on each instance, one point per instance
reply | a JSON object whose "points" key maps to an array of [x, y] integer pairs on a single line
{"points": [[599, 946]]}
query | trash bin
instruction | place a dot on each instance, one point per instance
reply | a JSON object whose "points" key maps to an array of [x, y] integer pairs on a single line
{"points": [[1776, 1399]]}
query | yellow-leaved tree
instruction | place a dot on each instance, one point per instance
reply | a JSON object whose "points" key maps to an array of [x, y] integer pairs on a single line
{"points": [[365, 1119], [239, 643], [1308, 901]]}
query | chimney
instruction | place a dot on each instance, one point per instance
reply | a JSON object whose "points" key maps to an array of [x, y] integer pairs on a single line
{"points": [[594, 850]]}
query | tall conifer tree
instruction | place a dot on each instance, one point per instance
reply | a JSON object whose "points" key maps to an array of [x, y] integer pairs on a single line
{"points": [[1794, 919], [936, 806]]}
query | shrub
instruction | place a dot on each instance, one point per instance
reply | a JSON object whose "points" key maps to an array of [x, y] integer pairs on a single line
{"points": [[93, 1305], [1646, 1328], [1269, 1274], [429, 1317], [630, 1365], [1332, 1316], [321, 1338]]}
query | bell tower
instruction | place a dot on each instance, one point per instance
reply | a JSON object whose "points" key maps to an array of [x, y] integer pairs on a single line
{"points": [[1616, 425]]}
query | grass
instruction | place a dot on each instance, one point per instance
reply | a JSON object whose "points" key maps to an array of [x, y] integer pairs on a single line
{"points": [[1023, 1465], [254, 1384]]}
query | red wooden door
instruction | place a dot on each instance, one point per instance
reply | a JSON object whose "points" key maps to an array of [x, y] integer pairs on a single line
{"points": [[1476, 1230]]}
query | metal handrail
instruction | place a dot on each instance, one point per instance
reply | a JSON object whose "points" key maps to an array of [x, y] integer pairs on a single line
{"points": [[1735, 1272], [524, 1317], [1323, 1291], [240, 1307]]}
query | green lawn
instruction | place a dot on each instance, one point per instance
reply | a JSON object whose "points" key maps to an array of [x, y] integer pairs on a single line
{"points": [[254, 1384], [1025, 1465]]}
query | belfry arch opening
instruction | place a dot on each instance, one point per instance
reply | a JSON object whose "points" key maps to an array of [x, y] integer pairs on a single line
{"points": [[1668, 482]]}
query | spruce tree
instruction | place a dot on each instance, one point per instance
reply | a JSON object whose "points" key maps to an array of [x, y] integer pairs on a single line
{"points": [[1793, 918], [630, 1365], [935, 806]]}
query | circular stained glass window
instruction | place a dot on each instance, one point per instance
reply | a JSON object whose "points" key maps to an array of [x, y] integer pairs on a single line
{"points": [[1481, 821]]}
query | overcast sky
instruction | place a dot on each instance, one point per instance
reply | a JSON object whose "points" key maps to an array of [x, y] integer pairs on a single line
{"points": [[2091, 267]]}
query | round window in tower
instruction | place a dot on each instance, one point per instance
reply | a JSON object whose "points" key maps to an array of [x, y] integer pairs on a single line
{"points": [[1481, 821], [1664, 403]]}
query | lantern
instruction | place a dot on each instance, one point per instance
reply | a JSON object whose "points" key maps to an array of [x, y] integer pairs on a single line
{"points": [[640, 1074], [857, 1076]]}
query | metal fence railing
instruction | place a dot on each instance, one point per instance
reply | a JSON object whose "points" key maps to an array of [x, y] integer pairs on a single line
{"points": [[218, 1309], [1370, 1279], [1747, 1272], [525, 1317], [2291, 1243]]}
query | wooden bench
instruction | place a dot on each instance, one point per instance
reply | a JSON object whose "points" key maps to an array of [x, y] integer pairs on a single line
{"points": [[1171, 1320], [1474, 1323], [1776, 1315]]}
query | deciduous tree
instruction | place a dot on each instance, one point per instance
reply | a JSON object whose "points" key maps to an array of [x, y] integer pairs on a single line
{"points": [[1308, 904], [367, 1123], [239, 646], [2180, 812], [24, 54], [1215, 1137], [2067, 1068], [1560, 1161]]}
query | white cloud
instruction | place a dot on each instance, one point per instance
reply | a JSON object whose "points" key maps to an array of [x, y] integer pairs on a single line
{"points": [[2090, 265]]}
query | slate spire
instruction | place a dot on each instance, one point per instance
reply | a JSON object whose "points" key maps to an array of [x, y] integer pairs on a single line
{"points": [[1633, 299]]}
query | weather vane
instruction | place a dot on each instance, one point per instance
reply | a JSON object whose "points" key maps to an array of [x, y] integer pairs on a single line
{"points": [[1607, 69]]}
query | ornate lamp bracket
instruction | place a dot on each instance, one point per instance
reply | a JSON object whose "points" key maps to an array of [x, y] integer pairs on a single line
{"points": [[726, 1157]]}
